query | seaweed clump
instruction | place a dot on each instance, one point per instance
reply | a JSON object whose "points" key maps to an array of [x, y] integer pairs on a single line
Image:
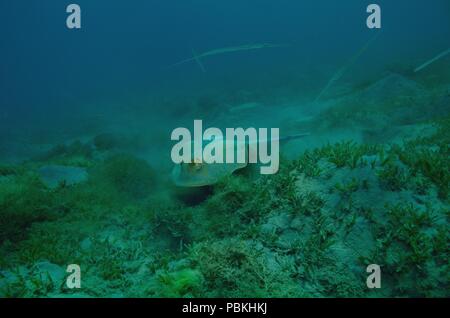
{"points": [[413, 250], [76, 153], [24, 201], [181, 283], [130, 176]]}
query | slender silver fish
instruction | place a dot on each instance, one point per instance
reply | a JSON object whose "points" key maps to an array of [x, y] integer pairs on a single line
{"points": [[197, 57]]}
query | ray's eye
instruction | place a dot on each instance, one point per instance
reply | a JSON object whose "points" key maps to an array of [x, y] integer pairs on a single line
{"points": [[196, 165]]}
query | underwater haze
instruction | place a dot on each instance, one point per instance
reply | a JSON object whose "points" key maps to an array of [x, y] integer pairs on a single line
{"points": [[87, 178]]}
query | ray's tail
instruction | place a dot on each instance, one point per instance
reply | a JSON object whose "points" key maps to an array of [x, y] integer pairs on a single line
{"points": [[293, 137], [285, 138]]}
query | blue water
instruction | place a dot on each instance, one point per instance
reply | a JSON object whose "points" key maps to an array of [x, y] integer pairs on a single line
{"points": [[123, 48]]}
